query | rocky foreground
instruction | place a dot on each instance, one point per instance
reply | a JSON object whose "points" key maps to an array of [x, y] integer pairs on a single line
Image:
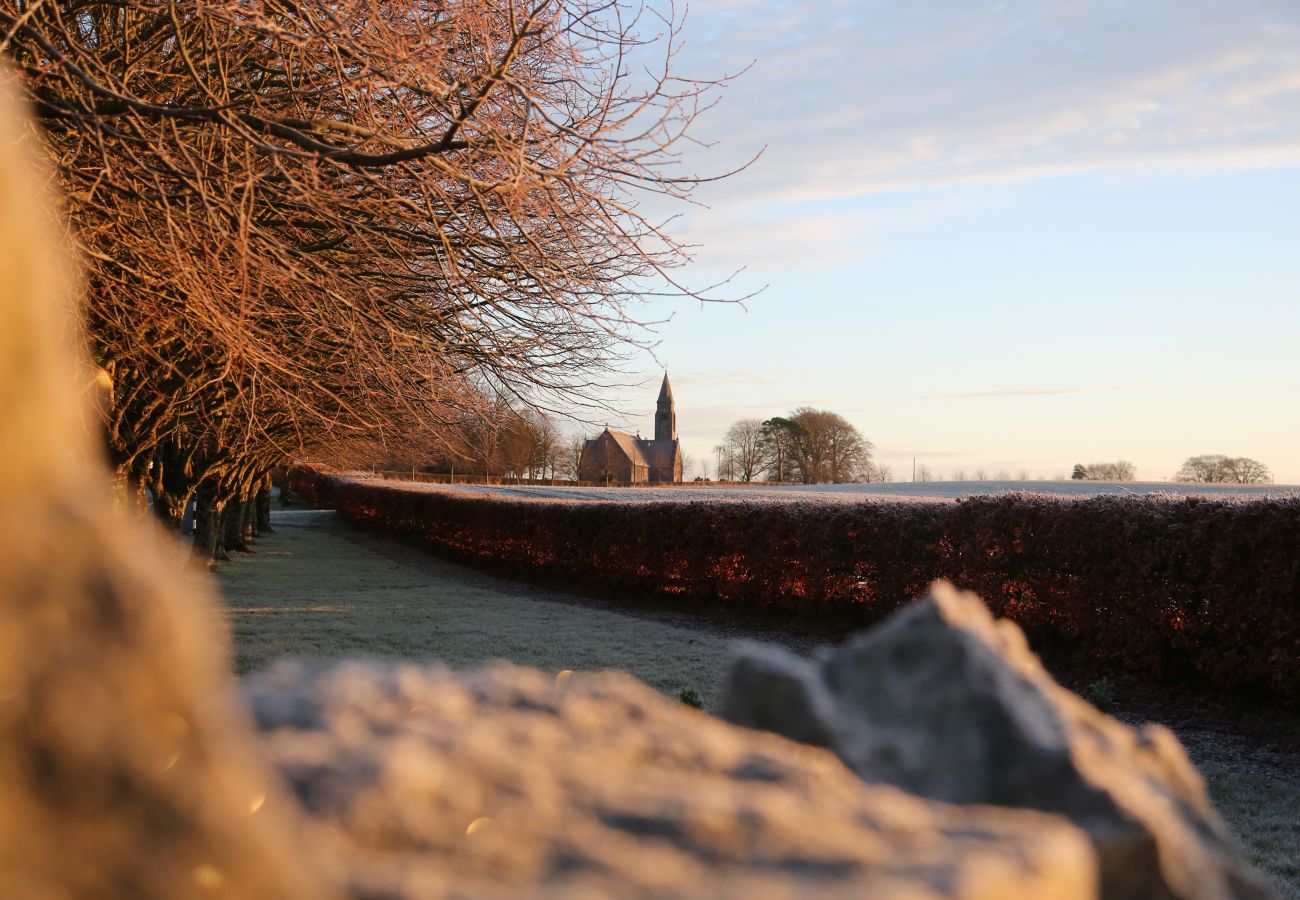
{"points": [[506, 782]]}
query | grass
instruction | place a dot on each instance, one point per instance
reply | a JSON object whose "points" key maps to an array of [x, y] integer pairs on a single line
{"points": [[311, 591], [317, 588], [1264, 811]]}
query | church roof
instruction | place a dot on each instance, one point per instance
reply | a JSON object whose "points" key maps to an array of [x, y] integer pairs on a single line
{"points": [[666, 390], [643, 452], [628, 445]]}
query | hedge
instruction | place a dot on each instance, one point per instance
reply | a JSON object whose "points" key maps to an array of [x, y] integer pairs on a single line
{"points": [[1159, 587]]}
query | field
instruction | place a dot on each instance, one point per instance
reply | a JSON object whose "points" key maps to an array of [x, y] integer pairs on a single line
{"points": [[938, 490], [318, 587]]}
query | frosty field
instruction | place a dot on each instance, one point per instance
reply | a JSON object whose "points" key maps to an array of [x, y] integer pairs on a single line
{"points": [[934, 490]]}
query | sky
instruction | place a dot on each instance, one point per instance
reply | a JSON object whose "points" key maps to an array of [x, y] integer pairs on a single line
{"points": [[1009, 235]]}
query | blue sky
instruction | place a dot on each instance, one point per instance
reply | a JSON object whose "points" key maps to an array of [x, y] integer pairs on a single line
{"points": [[1015, 235]]}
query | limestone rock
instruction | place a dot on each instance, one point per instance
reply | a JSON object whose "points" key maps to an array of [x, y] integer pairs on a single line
{"points": [[507, 782], [945, 702]]}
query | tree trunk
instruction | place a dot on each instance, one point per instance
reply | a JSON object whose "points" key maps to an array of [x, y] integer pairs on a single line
{"points": [[232, 531], [264, 507], [206, 522], [249, 528]]}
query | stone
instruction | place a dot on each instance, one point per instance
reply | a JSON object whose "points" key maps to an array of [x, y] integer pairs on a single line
{"points": [[945, 702], [508, 782]]}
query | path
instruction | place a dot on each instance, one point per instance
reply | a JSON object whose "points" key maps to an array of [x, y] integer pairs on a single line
{"points": [[319, 587]]}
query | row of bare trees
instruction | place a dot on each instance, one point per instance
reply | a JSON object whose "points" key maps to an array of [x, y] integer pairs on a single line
{"points": [[1123, 470], [1216, 468], [810, 446], [315, 229], [504, 442]]}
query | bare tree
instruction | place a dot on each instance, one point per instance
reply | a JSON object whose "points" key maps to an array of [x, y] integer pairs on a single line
{"points": [[1220, 469], [1122, 470], [881, 472], [313, 229], [745, 448], [570, 455], [690, 468], [1243, 470], [824, 447], [981, 474], [923, 473]]}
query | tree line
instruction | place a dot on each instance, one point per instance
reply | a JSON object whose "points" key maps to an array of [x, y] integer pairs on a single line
{"points": [[311, 230], [1208, 469], [809, 446]]}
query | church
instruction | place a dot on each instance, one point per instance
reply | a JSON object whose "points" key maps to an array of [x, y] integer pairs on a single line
{"points": [[616, 456]]}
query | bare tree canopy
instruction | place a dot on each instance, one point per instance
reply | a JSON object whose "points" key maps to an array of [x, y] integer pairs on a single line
{"points": [[742, 450], [1123, 470], [1220, 469], [314, 227], [813, 446]]}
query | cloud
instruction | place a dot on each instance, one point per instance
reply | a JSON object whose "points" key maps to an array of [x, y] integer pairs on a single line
{"points": [[863, 98], [922, 454], [1042, 392], [743, 378], [852, 96]]}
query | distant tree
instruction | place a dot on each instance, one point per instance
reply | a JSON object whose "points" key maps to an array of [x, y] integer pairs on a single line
{"points": [[881, 473], [518, 444], [1022, 475], [570, 455], [689, 467], [745, 447], [779, 437], [959, 475], [814, 446], [1080, 472], [828, 448], [1220, 469], [1248, 471], [725, 462], [981, 474], [923, 473], [1123, 470]]}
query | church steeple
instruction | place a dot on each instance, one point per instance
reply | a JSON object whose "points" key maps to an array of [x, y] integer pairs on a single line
{"points": [[666, 414]]}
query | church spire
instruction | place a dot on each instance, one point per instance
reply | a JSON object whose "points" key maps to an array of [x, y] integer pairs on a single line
{"points": [[666, 413]]}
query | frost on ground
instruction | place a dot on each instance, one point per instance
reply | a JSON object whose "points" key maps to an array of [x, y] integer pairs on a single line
{"points": [[843, 493], [320, 588]]}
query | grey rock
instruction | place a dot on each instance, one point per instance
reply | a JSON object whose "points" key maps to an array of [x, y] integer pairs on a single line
{"points": [[945, 702], [508, 782]]}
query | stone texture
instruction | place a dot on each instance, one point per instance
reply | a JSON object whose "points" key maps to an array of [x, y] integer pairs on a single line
{"points": [[945, 702], [505, 781]]}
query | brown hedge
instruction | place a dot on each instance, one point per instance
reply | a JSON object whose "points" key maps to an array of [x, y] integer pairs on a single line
{"points": [[1150, 586]]}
